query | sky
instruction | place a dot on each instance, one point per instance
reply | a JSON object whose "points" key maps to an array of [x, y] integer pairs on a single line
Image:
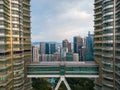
{"points": [[56, 20]]}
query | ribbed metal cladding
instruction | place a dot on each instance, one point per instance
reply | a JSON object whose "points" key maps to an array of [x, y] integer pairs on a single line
{"points": [[117, 49], [108, 42], [12, 45], [110, 50], [98, 40]]}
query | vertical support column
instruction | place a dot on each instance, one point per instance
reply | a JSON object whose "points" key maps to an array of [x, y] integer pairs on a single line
{"points": [[62, 78], [114, 44]]}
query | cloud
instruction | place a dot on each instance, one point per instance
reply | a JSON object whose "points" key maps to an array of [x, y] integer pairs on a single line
{"points": [[75, 14], [55, 20]]}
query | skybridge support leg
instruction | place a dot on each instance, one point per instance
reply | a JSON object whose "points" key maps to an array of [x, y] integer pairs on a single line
{"points": [[62, 78]]}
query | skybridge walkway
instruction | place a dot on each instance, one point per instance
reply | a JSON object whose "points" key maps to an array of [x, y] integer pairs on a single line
{"points": [[63, 69]]}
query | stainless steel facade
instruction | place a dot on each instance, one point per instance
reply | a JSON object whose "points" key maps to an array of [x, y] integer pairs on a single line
{"points": [[107, 47], [15, 44]]}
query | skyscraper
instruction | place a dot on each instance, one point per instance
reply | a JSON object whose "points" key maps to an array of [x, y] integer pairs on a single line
{"points": [[35, 54], [78, 43], [67, 44], [15, 44], [42, 48], [107, 44], [52, 48], [89, 48], [47, 47]]}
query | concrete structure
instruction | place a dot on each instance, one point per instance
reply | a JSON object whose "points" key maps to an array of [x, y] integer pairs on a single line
{"points": [[57, 56], [75, 57], [107, 45], [15, 44], [49, 57]]}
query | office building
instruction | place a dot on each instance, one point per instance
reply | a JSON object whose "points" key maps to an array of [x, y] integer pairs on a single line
{"points": [[57, 56], [35, 54], [64, 51], [69, 56], [15, 44], [75, 57], [52, 48], [42, 48], [78, 43], [67, 44], [107, 44], [47, 47], [89, 56], [83, 53]]}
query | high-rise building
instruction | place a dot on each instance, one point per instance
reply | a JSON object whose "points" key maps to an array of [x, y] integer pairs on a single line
{"points": [[47, 47], [15, 44], [107, 44], [35, 54], [98, 40], [89, 48], [78, 43], [67, 44], [42, 48], [52, 48]]}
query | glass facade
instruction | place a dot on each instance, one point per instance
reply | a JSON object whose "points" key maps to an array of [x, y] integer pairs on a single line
{"points": [[63, 70]]}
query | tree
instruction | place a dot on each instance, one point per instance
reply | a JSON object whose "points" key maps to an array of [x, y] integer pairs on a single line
{"points": [[41, 84]]}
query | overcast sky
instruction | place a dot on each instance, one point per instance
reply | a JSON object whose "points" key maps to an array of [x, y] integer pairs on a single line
{"points": [[55, 20]]}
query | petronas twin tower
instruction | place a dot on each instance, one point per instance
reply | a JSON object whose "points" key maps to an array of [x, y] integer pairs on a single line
{"points": [[107, 43], [15, 44]]}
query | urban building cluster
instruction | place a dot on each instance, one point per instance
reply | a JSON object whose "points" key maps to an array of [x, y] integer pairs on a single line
{"points": [[80, 50], [15, 45]]}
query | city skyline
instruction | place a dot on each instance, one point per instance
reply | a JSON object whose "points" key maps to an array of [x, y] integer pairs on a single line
{"points": [[70, 39], [63, 18]]}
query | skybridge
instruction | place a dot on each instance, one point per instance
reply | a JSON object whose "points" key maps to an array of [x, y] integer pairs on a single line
{"points": [[63, 69]]}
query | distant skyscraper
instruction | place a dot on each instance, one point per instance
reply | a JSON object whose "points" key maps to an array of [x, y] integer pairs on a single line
{"points": [[107, 44], [67, 44], [69, 47], [83, 52], [15, 44], [89, 48], [78, 43], [52, 48], [35, 54], [47, 47], [42, 47]]}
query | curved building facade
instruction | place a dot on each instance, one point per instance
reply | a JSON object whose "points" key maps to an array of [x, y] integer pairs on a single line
{"points": [[110, 46], [15, 44], [98, 41]]}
